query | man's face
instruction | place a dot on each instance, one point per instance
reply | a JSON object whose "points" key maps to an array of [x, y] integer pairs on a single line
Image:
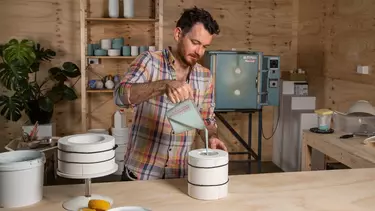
{"points": [[192, 45]]}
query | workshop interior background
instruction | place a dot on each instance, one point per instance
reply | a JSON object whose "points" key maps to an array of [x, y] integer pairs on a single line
{"points": [[326, 38]]}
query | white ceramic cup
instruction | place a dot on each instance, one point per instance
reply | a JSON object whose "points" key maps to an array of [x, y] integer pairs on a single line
{"points": [[151, 48], [114, 52], [134, 51], [106, 44]]}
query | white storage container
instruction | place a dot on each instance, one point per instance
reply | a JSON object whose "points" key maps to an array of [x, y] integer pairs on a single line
{"points": [[21, 178]]}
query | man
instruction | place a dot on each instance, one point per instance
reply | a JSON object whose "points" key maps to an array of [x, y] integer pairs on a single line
{"points": [[155, 82]]}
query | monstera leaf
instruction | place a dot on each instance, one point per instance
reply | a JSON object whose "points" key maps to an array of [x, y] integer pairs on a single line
{"points": [[61, 92], [12, 107], [46, 104], [19, 53], [71, 70], [13, 77], [41, 56], [68, 70]]}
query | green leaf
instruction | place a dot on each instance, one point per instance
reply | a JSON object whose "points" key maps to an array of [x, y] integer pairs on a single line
{"points": [[20, 53], [12, 107], [13, 77], [45, 104], [2, 47], [30, 92], [43, 54], [34, 67], [61, 92], [56, 93], [70, 70], [57, 74], [69, 93]]}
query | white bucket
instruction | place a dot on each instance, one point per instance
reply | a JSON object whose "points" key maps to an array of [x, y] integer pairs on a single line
{"points": [[21, 178], [120, 167], [120, 152], [98, 130], [121, 135]]}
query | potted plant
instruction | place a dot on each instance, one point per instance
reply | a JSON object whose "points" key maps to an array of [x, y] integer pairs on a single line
{"points": [[20, 62]]}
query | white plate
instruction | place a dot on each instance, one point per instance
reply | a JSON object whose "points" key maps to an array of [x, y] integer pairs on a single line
{"points": [[129, 208]]}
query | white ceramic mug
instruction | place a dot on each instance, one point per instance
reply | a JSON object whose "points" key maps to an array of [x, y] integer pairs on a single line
{"points": [[151, 48], [106, 44], [134, 51]]}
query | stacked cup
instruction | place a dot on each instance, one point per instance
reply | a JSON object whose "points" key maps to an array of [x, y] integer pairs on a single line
{"points": [[121, 134]]}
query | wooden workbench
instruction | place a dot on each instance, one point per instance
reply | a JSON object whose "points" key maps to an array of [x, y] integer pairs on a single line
{"points": [[350, 152], [334, 190]]}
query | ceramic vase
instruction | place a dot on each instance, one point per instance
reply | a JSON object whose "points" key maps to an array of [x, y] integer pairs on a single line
{"points": [[128, 8], [113, 8]]}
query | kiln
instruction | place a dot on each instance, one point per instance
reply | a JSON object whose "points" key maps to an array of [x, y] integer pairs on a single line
{"points": [[246, 79]]}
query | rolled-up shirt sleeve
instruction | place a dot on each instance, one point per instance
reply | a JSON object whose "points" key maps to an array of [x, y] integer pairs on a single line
{"points": [[138, 72], [208, 106]]}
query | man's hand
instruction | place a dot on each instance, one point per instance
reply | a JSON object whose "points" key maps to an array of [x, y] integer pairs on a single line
{"points": [[178, 91], [215, 143]]}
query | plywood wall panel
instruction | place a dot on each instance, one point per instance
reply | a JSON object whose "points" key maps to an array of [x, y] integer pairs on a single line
{"points": [[264, 25], [350, 34], [341, 94]]}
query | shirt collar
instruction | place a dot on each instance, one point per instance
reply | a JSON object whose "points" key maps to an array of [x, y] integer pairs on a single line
{"points": [[171, 59]]}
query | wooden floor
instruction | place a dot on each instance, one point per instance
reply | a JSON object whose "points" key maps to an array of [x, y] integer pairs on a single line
{"points": [[234, 169]]}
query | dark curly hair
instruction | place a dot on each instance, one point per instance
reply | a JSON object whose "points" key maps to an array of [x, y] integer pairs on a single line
{"points": [[194, 15]]}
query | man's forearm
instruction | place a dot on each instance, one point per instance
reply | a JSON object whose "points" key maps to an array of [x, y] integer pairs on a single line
{"points": [[144, 91], [138, 92], [212, 132]]}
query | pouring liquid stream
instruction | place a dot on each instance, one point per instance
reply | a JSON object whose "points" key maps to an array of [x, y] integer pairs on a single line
{"points": [[206, 134]]}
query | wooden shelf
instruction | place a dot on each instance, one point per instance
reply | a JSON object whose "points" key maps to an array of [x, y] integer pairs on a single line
{"points": [[99, 90], [123, 19], [155, 23], [111, 57]]}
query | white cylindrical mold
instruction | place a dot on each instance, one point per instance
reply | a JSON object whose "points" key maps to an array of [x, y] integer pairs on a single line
{"points": [[21, 178], [113, 8], [87, 154], [128, 8], [208, 174]]}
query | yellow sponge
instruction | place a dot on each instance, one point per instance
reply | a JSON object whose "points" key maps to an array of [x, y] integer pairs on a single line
{"points": [[87, 209], [99, 204]]}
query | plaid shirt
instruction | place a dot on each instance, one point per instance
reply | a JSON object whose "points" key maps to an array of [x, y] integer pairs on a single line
{"points": [[154, 151]]}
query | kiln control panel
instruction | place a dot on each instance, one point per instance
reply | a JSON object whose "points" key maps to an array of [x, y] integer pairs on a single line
{"points": [[271, 68]]}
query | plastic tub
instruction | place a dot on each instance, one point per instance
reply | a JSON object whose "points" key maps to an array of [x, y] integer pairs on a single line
{"points": [[324, 118], [21, 178]]}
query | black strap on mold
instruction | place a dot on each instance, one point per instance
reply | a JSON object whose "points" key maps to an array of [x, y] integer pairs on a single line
{"points": [[212, 167], [102, 161], [114, 147], [200, 185]]}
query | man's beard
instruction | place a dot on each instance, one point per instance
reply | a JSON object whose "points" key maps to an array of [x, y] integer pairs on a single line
{"points": [[180, 52]]}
